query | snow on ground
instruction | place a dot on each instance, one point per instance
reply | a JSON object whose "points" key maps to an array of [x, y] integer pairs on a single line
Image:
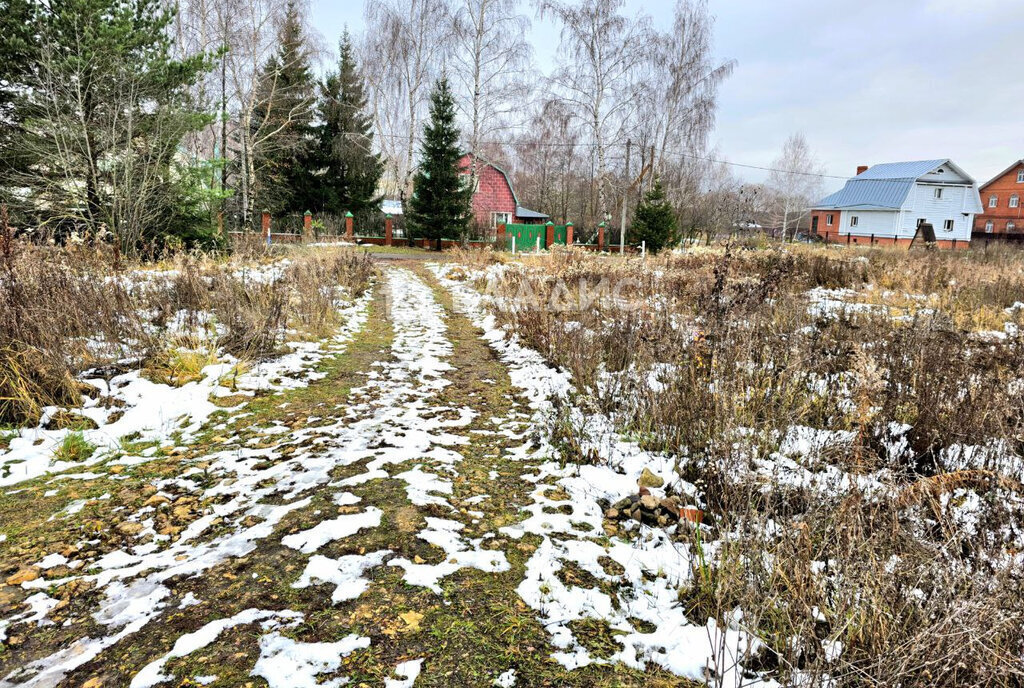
{"points": [[393, 419], [129, 405], [654, 565], [286, 663]]}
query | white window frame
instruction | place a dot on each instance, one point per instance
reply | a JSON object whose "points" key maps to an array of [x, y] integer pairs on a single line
{"points": [[828, 220], [949, 225], [990, 227], [1011, 226], [495, 221], [993, 201], [938, 193], [1014, 201], [1020, 176], [854, 220]]}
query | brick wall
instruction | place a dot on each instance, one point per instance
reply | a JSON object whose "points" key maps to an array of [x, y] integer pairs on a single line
{"points": [[1003, 188], [493, 194], [826, 231]]}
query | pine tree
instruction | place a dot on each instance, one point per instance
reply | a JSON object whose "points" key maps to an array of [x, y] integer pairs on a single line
{"points": [[347, 169], [107, 107], [283, 122], [18, 51], [655, 220], [440, 204]]}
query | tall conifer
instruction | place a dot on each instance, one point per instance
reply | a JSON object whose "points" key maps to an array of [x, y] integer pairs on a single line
{"points": [[346, 166], [440, 204]]}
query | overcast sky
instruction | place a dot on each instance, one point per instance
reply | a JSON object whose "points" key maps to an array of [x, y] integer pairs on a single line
{"points": [[867, 82]]}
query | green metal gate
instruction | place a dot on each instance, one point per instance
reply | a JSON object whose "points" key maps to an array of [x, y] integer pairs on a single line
{"points": [[524, 237]]}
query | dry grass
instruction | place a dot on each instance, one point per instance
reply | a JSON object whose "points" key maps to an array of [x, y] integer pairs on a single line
{"points": [[65, 311], [919, 577]]}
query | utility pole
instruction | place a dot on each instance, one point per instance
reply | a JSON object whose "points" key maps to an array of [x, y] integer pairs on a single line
{"points": [[625, 202]]}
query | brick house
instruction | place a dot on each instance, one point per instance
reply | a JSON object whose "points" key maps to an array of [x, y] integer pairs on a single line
{"points": [[494, 199], [1001, 198]]}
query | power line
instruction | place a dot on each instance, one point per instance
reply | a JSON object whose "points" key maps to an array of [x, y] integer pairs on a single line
{"points": [[592, 144]]}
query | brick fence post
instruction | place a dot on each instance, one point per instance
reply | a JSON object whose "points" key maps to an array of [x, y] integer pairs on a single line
{"points": [[387, 230], [568, 234], [349, 232], [549, 234], [266, 225], [307, 226], [600, 237], [500, 236]]}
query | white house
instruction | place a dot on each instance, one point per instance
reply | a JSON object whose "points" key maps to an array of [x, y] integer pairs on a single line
{"points": [[885, 204]]}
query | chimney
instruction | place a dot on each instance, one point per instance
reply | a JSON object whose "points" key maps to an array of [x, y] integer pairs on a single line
{"points": [[861, 169]]}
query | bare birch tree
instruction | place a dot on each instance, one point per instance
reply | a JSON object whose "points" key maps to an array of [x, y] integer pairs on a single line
{"points": [[598, 77], [795, 180], [683, 84], [404, 53], [490, 61]]}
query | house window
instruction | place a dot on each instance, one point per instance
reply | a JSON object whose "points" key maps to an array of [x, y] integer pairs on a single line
{"points": [[1020, 177], [989, 226], [500, 219], [938, 193], [948, 225], [854, 220], [1011, 226], [1014, 201], [828, 220], [993, 201]]}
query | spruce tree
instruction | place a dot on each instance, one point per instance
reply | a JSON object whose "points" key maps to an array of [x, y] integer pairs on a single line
{"points": [[440, 203], [655, 220], [347, 169], [283, 122]]}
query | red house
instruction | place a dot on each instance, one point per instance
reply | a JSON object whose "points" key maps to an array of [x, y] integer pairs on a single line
{"points": [[1002, 197], [494, 199]]}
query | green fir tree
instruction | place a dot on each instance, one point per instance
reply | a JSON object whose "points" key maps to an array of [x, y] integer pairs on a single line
{"points": [[655, 221], [347, 169], [18, 51], [440, 204], [282, 123]]}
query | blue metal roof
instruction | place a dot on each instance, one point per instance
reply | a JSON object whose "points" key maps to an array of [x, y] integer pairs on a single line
{"points": [[868, 194], [882, 187], [903, 171]]}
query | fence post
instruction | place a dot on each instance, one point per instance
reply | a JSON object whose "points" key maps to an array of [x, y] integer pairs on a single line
{"points": [[848, 237], [600, 237], [387, 229], [307, 226], [266, 226], [954, 244], [349, 232], [549, 234], [500, 236], [568, 234]]}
